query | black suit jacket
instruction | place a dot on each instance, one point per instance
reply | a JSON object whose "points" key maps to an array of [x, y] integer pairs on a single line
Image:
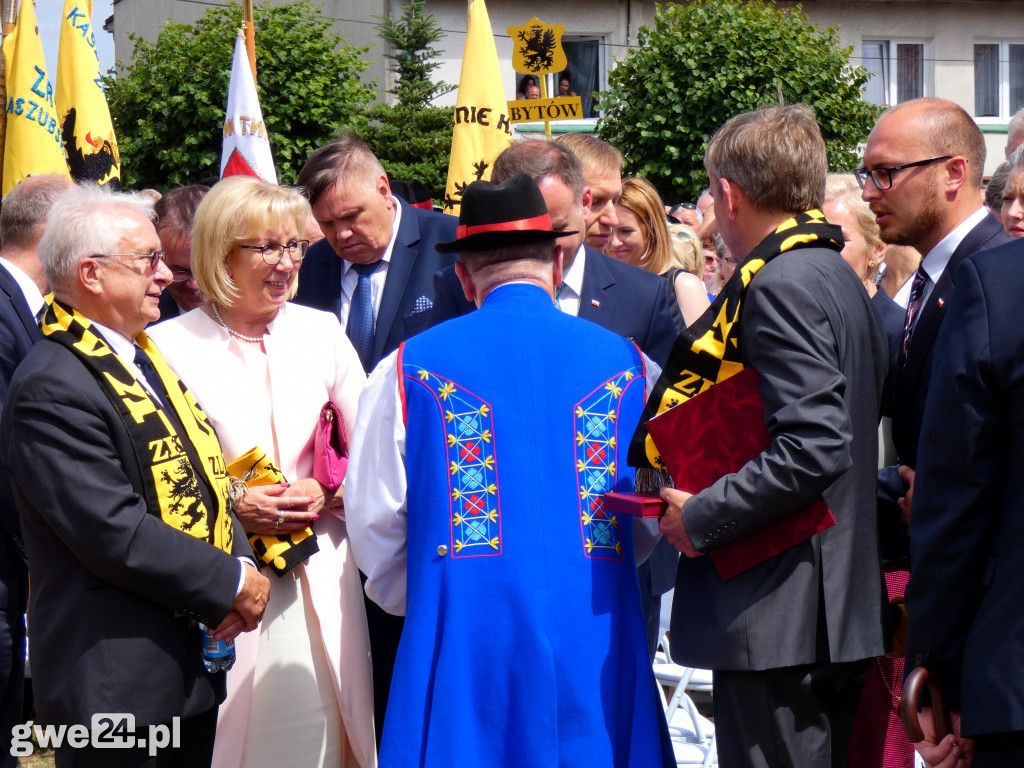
{"points": [[18, 332], [809, 330], [111, 582], [911, 384], [624, 299], [910, 389], [966, 527], [408, 290]]}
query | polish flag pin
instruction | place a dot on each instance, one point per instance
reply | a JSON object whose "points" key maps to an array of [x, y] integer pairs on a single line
{"points": [[595, 302], [941, 302]]}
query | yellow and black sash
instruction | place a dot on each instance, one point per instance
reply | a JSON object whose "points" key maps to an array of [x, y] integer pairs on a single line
{"points": [[284, 551], [708, 352], [170, 478]]}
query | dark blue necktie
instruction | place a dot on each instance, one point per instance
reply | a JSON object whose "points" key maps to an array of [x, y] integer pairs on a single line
{"points": [[360, 314], [148, 370], [913, 308]]}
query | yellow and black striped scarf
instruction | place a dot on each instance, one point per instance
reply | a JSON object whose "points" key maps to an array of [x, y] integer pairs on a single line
{"points": [[281, 552], [170, 480], [708, 352]]}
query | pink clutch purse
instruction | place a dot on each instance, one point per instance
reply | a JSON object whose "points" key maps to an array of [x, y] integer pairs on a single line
{"points": [[330, 447]]}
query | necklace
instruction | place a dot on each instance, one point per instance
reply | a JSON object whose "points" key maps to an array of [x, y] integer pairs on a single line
{"points": [[232, 331]]}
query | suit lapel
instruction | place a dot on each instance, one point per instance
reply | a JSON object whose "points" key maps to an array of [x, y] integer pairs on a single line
{"points": [[597, 283], [403, 256], [10, 286], [927, 327]]}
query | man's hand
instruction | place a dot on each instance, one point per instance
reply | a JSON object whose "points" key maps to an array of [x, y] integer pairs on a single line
{"points": [[671, 523], [904, 502], [247, 610], [952, 751]]}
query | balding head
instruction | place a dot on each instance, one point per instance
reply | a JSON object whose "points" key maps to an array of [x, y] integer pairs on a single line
{"points": [[25, 210], [943, 128]]}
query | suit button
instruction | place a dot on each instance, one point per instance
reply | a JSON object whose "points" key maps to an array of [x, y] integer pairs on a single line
{"points": [[442, 551]]}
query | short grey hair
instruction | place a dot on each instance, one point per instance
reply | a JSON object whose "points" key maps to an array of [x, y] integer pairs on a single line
{"points": [[346, 157], [85, 222], [1016, 125], [26, 207]]}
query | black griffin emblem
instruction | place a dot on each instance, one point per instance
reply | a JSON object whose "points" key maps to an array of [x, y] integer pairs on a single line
{"points": [[185, 498], [88, 167], [538, 49]]}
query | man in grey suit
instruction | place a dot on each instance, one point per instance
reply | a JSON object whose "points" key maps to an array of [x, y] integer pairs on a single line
{"points": [[121, 490], [791, 639]]}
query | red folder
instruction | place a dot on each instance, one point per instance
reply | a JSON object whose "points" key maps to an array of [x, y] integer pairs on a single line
{"points": [[715, 433], [635, 504]]}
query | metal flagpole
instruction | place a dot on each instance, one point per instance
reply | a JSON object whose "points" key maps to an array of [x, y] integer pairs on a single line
{"points": [[250, 36]]}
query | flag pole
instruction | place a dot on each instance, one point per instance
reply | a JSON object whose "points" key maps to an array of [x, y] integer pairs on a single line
{"points": [[8, 16], [250, 36]]}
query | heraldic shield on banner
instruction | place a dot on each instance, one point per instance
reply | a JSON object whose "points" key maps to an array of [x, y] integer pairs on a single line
{"points": [[538, 47]]}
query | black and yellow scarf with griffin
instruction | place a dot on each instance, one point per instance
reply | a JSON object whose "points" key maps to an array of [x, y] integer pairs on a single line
{"points": [[170, 479], [708, 352]]}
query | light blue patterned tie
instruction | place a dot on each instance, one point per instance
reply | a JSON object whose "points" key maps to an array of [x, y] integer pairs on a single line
{"points": [[360, 314], [558, 294]]}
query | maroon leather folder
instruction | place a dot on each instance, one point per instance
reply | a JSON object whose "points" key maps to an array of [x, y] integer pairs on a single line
{"points": [[715, 433], [635, 504]]}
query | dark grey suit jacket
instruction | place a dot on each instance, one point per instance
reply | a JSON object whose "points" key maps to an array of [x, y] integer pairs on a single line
{"points": [[966, 593], [810, 331], [108, 577]]}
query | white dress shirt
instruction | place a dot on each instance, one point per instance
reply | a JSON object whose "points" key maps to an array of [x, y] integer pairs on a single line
{"points": [[936, 260], [350, 278], [572, 284]]}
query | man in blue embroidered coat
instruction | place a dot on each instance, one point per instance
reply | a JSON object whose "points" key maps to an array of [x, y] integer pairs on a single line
{"points": [[494, 435]]}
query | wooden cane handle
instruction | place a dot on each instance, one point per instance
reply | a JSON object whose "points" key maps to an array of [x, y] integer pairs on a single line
{"points": [[915, 681]]}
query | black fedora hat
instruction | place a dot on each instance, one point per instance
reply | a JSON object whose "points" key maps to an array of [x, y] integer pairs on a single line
{"points": [[500, 215]]}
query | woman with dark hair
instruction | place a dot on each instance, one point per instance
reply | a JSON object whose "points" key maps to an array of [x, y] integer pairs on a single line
{"points": [[529, 81]]}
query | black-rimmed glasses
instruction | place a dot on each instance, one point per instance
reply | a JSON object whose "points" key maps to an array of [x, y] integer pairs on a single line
{"points": [[153, 257], [882, 177], [274, 252]]}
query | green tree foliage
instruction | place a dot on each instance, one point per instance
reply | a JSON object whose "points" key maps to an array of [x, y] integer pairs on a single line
{"points": [[706, 61], [168, 104], [412, 38], [412, 139], [411, 143]]}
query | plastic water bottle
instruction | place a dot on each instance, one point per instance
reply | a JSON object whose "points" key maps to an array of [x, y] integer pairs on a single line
{"points": [[217, 654]]}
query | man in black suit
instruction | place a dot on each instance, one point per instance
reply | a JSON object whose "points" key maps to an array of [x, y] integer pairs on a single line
{"points": [[377, 252], [967, 529], [22, 285], [791, 639], [122, 497], [922, 174], [373, 269]]}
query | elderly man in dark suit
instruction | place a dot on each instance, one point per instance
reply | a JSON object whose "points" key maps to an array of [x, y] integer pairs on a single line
{"points": [[922, 174], [791, 639], [121, 490], [966, 528], [374, 268], [22, 285]]}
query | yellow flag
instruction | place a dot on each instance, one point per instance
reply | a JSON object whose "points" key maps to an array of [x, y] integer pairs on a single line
{"points": [[82, 110], [482, 129], [32, 143]]}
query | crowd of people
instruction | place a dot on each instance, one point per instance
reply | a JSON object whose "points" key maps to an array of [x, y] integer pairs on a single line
{"points": [[466, 595]]}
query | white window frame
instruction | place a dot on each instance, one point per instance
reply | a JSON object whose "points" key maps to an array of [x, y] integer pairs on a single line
{"points": [[1005, 113], [928, 78]]}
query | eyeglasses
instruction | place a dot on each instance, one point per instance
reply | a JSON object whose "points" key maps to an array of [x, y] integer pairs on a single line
{"points": [[882, 177], [274, 252], [153, 257], [180, 274]]}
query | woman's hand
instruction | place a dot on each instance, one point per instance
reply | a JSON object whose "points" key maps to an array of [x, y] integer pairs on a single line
{"points": [[322, 498], [280, 508]]}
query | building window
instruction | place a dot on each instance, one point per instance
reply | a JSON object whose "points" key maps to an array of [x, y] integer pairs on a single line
{"points": [[897, 71], [998, 79], [588, 67]]}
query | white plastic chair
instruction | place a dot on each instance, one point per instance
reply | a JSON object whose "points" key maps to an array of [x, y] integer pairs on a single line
{"points": [[693, 735]]}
